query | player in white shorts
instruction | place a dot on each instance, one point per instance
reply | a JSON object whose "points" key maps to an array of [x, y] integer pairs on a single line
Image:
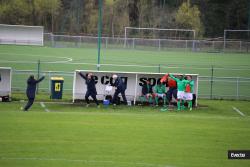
{"points": [[188, 96], [181, 95], [189, 87]]}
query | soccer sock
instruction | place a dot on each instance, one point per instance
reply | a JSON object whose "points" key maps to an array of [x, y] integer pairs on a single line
{"points": [[190, 105], [178, 105], [156, 100], [150, 99], [142, 99], [164, 100], [182, 104]]}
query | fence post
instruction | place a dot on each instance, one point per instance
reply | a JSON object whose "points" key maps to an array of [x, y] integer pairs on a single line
{"points": [[211, 82], [106, 42], [237, 88], [49, 81], [52, 40], [159, 68], [38, 74], [186, 45], [80, 42], [133, 43], [240, 46], [159, 47]]}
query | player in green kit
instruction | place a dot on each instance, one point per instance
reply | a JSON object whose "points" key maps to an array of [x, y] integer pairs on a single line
{"points": [[160, 91], [188, 95], [180, 87]]}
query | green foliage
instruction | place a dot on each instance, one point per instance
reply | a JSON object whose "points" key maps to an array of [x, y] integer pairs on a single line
{"points": [[207, 17], [188, 16], [14, 12], [33, 12]]}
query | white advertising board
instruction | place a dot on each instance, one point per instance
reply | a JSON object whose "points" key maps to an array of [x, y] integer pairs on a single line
{"points": [[133, 80]]}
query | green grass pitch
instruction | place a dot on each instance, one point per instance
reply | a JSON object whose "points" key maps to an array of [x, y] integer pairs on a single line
{"points": [[73, 135], [68, 59], [169, 61]]}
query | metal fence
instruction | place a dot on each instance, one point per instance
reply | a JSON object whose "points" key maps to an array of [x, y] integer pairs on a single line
{"points": [[209, 87], [142, 43]]}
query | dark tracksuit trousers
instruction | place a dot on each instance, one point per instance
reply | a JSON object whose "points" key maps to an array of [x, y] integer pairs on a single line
{"points": [[93, 95], [121, 87], [29, 104], [115, 97], [91, 89], [31, 91]]}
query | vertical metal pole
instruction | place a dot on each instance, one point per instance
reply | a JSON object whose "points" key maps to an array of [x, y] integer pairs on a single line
{"points": [[159, 68], [224, 47], [106, 42], [237, 88], [133, 43], [248, 24], [159, 47], [38, 75], [211, 82], [240, 45], [99, 33], [125, 37], [49, 81], [136, 83], [186, 44], [193, 49], [52, 40]]}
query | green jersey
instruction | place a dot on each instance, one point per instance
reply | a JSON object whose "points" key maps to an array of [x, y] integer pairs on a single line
{"points": [[180, 83], [160, 89], [189, 86]]}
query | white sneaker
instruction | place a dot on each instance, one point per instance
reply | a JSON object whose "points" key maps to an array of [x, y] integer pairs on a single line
{"points": [[87, 105]]}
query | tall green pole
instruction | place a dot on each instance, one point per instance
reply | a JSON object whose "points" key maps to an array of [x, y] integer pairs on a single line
{"points": [[248, 25], [38, 74], [99, 33]]}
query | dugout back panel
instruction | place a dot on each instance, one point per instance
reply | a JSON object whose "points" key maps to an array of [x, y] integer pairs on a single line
{"points": [[134, 83], [5, 81]]}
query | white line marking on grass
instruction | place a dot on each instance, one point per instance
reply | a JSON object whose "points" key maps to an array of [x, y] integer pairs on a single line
{"points": [[85, 161], [43, 106], [238, 111], [68, 59]]}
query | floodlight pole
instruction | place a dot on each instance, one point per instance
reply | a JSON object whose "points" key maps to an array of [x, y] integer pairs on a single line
{"points": [[99, 33]]}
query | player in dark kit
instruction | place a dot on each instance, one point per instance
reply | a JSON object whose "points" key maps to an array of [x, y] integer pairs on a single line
{"points": [[91, 89], [31, 91], [120, 88]]}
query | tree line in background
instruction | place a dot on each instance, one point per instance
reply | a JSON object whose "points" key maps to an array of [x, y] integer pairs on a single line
{"points": [[80, 17]]}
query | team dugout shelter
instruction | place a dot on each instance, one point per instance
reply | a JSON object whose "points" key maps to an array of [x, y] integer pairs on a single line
{"points": [[5, 83], [133, 80]]}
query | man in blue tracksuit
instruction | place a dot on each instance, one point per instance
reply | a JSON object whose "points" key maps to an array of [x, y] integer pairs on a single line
{"points": [[120, 88], [31, 90], [91, 89]]}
